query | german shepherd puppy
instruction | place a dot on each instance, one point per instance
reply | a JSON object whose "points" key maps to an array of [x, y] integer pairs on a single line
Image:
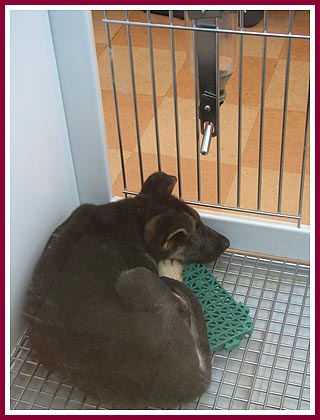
{"points": [[104, 319]]}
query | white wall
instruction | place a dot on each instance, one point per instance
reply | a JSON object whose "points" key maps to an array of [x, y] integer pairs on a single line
{"points": [[43, 187]]}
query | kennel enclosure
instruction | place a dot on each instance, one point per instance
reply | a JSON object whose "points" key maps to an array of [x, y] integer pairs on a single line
{"points": [[271, 369]]}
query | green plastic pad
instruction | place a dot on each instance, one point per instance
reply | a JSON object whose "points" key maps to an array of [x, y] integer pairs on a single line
{"points": [[227, 321]]}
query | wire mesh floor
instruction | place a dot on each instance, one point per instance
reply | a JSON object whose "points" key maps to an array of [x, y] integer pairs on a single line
{"points": [[269, 371]]}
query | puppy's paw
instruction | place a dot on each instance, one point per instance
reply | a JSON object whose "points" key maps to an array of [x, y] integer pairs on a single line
{"points": [[170, 268]]}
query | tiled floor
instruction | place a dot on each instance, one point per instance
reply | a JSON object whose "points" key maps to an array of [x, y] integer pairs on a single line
{"points": [[251, 100]]}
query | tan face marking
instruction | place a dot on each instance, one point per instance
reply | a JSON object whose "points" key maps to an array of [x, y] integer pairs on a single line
{"points": [[177, 254]]}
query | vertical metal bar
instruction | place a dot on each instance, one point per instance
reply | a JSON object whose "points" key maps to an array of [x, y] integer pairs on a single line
{"points": [[246, 349], [283, 325], [263, 82], [196, 96], [217, 394], [134, 95], [240, 111], [265, 333], [114, 90], [304, 159], [175, 97], [41, 388], [154, 95], [303, 381], [285, 110], [218, 113], [294, 344]]}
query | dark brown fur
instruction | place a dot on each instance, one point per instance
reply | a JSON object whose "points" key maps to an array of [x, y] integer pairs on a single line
{"points": [[103, 319]]}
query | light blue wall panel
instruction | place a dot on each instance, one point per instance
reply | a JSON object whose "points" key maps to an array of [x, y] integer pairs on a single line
{"points": [[42, 182]]}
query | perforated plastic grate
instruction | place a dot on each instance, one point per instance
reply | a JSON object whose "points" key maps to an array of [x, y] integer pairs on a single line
{"points": [[227, 321], [270, 370]]}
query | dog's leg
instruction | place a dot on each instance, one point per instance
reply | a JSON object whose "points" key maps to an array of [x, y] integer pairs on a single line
{"points": [[170, 268]]}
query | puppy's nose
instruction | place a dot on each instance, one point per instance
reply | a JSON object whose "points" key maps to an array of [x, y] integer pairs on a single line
{"points": [[225, 243]]}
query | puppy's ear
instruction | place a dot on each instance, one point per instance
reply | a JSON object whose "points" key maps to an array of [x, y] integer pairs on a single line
{"points": [[159, 183], [168, 229]]}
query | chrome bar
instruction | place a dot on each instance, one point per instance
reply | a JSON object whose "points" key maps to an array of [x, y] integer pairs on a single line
{"points": [[154, 95], [263, 81], [303, 381], [254, 319], [294, 345], [263, 344], [222, 381], [134, 95], [55, 392], [175, 96], [206, 140], [281, 333], [241, 15], [285, 112], [217, 128], [236, 209], [304, 159], [41, 389], [224, 31], [114, 90], [196, 96]]}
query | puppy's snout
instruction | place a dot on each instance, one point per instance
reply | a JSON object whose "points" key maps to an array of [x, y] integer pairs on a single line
{"points": [[224, 243], [221, 244], [214, 244]]}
